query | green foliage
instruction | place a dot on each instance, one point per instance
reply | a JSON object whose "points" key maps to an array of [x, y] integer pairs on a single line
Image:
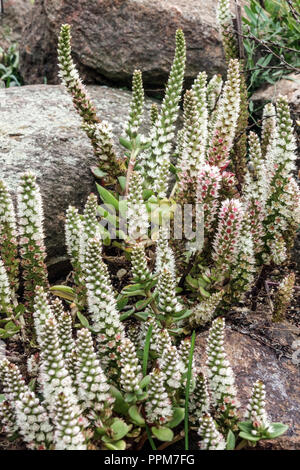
{"points": [[271, 42], [9, 67]]}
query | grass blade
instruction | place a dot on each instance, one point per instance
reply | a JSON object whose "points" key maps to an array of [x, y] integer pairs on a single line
{"points": [[187, 393]]}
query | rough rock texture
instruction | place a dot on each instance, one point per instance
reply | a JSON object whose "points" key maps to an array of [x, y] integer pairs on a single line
{"points": [[113, 37], [289, 87], [252, 360], [12, 22], [39, 130]]}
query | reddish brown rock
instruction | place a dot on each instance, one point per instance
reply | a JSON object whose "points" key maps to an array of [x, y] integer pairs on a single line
{"points": [[252, 360], [113, 37]]}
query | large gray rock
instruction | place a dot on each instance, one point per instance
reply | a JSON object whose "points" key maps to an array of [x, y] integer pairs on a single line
{"points": [[113, 37], [40, 131], [251, 360]]}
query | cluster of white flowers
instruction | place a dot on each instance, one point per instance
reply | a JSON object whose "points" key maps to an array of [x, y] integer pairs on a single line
{"points": [[213, 91], [68, 422], [226, 239], [199, 401], [158, 406], [167, 300], [5, 291], [171, 367], [225, 21], [33, 422], [204, 312], [207, 193], [226, 121], [8, 423], [8, 237], [131, 372], [211, 438], [137, 105], [220, 376], [157, 161], [101, 301], [65, 335], [256, 412], [73, 229], [164, 254], [137, 215], [139, 267], [92, 386]]}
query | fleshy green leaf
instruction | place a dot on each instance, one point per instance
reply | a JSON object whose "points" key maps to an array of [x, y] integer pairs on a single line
{"points": [[163, 433], [277, 430], [107, 197], [136, 416], [65, 292], [178, 416], [230, 441], [119, 445]]}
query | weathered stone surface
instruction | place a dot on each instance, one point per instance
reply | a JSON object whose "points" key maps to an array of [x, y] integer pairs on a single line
{"points": [[113, 37], [13, 21], [40, 130], [288, 87], [251, 360]]}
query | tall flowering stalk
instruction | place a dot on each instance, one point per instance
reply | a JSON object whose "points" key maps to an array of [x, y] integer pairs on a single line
{"points": [[8, 237], [225, 21], [228, 112], [205, 311], [32, 251], [283, 297], [199, 399], [220, 376], [225, 244], [211, 438], [5, 291], [70, 78], [137, 105], [156, 166], [278, 210], [68, 425], [208, 189], [158, 406], [256, 412], [131, 371], [137, 215], [93, 389], [269, 123], [102, 303]]}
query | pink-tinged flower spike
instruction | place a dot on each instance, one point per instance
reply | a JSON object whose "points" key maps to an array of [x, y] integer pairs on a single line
{"points": [[225, 21], [68, 421], [283, 297], [225, 244], [199, 399], [8, 423], [32, 251], [5, 292], [8, 237], [158, 162], [65, 335], [211, 438], [93, 389], [205, 311], [208, 187], [292, 199], [228, 113], [220, 376], [268, 128], [54, 375], [136, 105], [213, 91], [277, 211], [131, 371], [137, 215], [102, 303], [171, 366], [158, 406], [33, 422], [242, 276], [256, 412], [70, 77]]}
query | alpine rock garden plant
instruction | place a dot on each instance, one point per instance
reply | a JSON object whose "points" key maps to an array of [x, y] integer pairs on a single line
{"points": [[114, 370]]}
